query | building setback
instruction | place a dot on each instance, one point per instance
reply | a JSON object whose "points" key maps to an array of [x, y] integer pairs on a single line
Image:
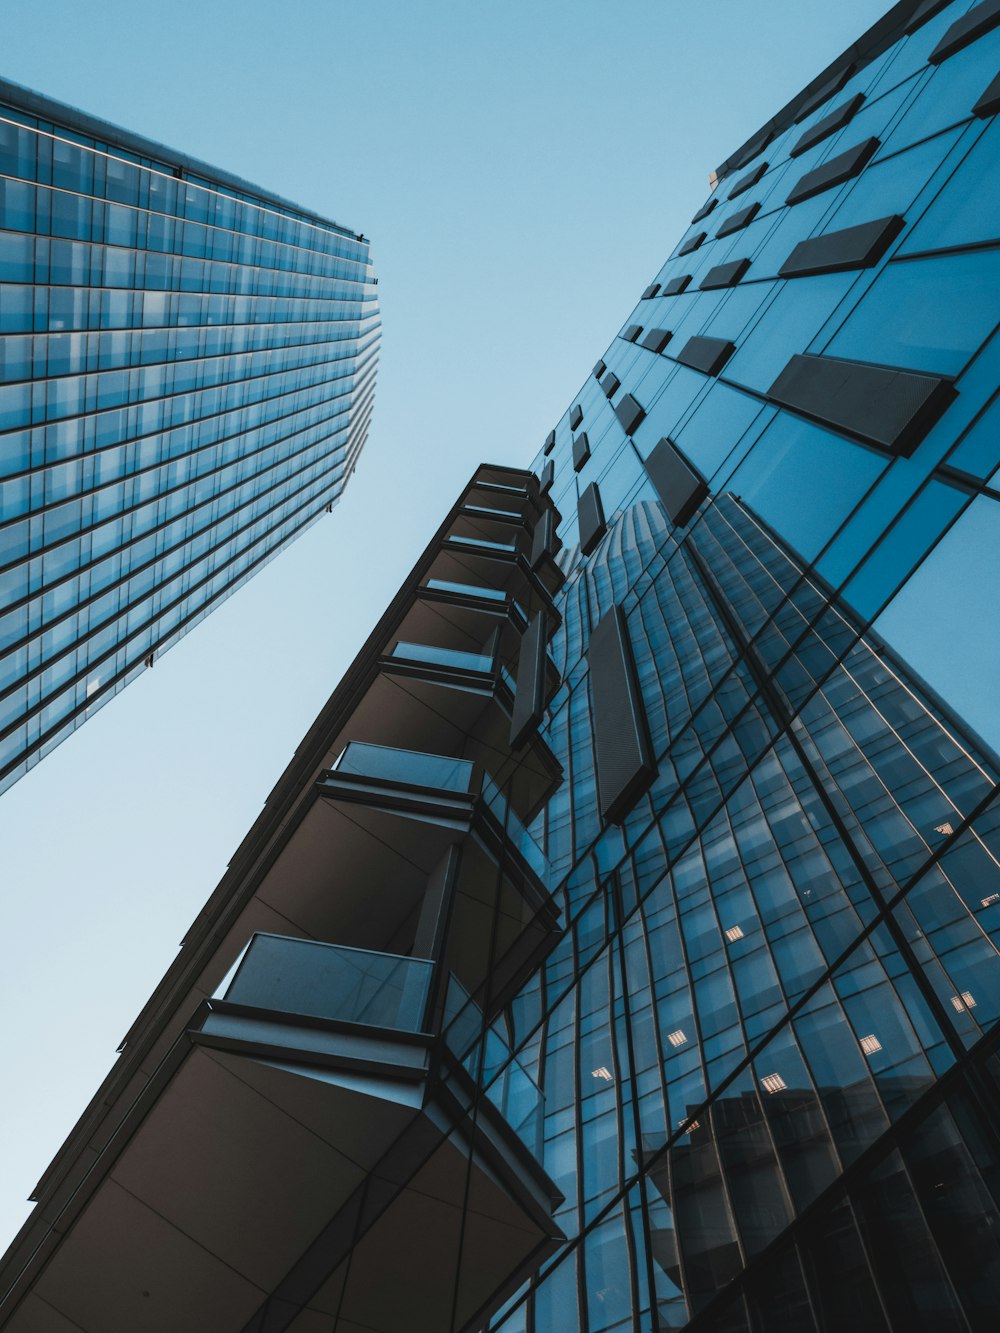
{"points": [[187, 365], [619, 949]]}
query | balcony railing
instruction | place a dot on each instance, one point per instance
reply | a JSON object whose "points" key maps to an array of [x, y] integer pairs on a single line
{"points": [[415, 768], [331, 981], [443, 657]]}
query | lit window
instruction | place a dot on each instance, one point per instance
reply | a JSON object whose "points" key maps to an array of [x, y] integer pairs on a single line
{"points": [[870, 1044], [946, 829], [604, 1073], [773, 1083], [93, 686], [964, 1001], [683, 1124], [734, 933], [993, 898], [677, 1038]]}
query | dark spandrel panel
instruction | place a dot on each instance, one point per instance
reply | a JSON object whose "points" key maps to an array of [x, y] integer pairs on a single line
{"points": [[754, 147], [925, 12], [968, 29], [611, 384], [892, 409], [989, 103], [837, 251], [750, 179], [529, 694], [630, 413], [581, 450], [708, 355], [839, 169], [550, 442], [676, 285], [656, 339], [836, 120], [632, 332], [621, 741], [575, 416], [826, 90], [650, 291], [725, 275], [548, 476], [590, 513], [736, 221], [692, 243], [543, 539], [599, 370], [678, 483], [705, 209]]}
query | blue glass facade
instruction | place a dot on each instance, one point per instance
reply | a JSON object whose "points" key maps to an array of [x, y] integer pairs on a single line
{"points": [[186, 375], [660, 811]]}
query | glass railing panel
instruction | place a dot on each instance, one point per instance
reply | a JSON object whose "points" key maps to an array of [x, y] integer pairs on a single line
{"points": [[487, 1057], [508, 548], [468, 589], [332, 981], [515, 830], [453, 657], [483, 511], [382, 762]]}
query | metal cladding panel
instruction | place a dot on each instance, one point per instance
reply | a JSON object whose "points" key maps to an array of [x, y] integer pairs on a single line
{"points": [[543, 538], [968, 29], [754, 147], [738, 220], [548, 476], [590, 513], [656, 339], [550, 442], [881, 405], [676, 285], [836, 120], [725, 275], [599, 370], [611, 384], [926, 11], [708, 355], [693, 243], [989, 103], [835, 251], [679, 485], [745, 182], [632, 332], [581, 450], [575, 416], [630, 413], [825, 90], [839, 169], [705, 209], [650, 291], [529, 693], [621, 738]]}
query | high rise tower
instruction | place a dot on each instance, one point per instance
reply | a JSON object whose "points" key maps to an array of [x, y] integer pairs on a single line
{"points": [[620, 949], [187, 366]]}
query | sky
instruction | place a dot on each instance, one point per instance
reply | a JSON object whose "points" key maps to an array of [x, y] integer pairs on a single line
{"points": [[523, 168]]}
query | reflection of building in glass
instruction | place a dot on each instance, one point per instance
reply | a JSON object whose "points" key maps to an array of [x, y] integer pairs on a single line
{"points": [[620, 949], [186, 378]]}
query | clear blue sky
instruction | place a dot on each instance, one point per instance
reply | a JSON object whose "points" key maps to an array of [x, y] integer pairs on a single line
{"points": [[523, 167]]}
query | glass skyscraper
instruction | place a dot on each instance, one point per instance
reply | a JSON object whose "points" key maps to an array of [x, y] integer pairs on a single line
{"points": [[619, 951], [187, 366]]}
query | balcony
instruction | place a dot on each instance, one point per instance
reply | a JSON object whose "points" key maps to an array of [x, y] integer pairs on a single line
{"points": [[312, 1156]]}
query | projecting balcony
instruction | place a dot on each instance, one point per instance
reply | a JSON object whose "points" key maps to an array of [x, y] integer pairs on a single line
{"points": [[314, 1156], [419, 854]]}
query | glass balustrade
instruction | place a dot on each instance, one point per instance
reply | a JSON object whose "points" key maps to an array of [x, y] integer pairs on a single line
{"points": [[318, 980], [486, 1055], [444, 657], [467, 589], [382, 762]]}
